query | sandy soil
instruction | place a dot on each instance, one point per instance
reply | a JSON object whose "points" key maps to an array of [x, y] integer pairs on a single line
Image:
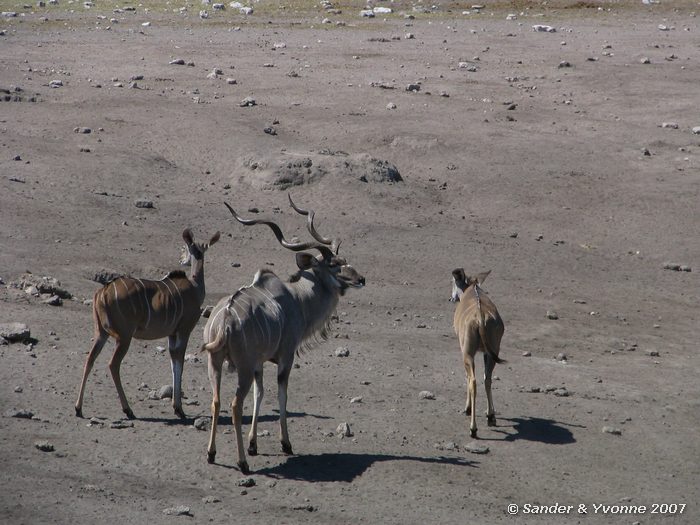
{"points": [[575, 199]]}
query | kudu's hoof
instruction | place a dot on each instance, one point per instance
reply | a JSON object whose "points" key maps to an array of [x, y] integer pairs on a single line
{"points": [[243, 465], [211, 456], [472, 433], [78, 412], [253, 449], [287, 449], [129, 414], [491, 419]]}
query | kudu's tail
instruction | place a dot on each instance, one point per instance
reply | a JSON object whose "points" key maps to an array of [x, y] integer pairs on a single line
{"points": [[487, 348], [216, 345]]}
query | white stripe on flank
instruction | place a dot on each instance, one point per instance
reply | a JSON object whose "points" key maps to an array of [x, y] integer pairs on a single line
{"points": [[233, 309], [174, 301], [116, 299], [148, 305], [126, 291]]}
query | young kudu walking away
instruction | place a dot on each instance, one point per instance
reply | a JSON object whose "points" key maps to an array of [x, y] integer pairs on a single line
{"points": [[479, 327], [127, 308], [268, 321]]}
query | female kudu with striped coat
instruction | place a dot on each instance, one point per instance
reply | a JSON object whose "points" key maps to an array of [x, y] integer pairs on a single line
{"points": [[127, 308]]}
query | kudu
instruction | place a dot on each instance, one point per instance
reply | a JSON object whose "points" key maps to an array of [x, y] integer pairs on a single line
{"points": [[268, 321], [127, 308], [478, 326]]}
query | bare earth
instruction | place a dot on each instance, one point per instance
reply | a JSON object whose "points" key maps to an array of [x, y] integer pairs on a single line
{"points": [[596, 219]]}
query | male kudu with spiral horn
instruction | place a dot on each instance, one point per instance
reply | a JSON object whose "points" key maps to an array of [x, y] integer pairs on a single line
{"points": [[268, 321]]}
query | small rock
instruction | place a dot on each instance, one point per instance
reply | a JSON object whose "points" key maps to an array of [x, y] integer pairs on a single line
{"points": [[14, 332], [56, 84], [206, 311], [247, 102], [669, 125], [342, 351], [180, 510], [476, 448], [357, 399], [19, 389], [304, 506], [561, 392], [165, 392], [543, 28], [391, 105], [645, 60], [20, 414], [231, 81], [82, 130], [343, 430], [413, 87], [211, 499], [120, 423], [653, 353], [144, 203], [44, 446], [53, 300], [246, 482], [177, 62], [561, 356], [552, 315], [696, 130], [201, 423], [564, 63], [527, 353], [612, 430], [270, 131], [426, 394]]}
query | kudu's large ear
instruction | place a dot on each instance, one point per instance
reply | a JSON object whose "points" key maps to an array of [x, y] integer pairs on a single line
{"points": [[481, 277], [187, 236], [215, 238], [306, 260]]}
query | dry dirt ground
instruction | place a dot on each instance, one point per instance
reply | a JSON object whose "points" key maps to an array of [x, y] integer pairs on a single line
{"points": [[600, 196]]}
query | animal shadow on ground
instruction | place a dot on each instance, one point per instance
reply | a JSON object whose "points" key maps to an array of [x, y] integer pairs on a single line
{"points": [[537, 429], [344, 466], [226, 420]]}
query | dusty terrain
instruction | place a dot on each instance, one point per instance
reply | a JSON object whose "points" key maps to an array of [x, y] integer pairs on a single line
{"points": [[575, 198]]}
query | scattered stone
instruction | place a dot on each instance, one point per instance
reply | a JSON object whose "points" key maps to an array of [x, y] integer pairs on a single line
{"points": [[215, 73], [270, 131], [304, 506], [646, 152], [612, 430], [120, 423], [246, 482], [357, 399], [218, 7], [562, 392], [20, 413], [180, 510], [96, 422], [669, 125], [343, 430], [367, 13], [533, 389], [645, 60], [342, 351], [201, 423], [413, 88], [19, 389], [246, 10], [540, 28], [426, 394], [144, 203], [247, 102], [203, 14], [561, 356], [696, 130], [211, 499], [44, 446], [105, 276], [177, 62], [552, 315], [15, 332], [653, 353], [165, 392], [677, 267], [53, 300], [476, 448], [391, 105], [82, 130], [527, 353], [56, 84], [564, 63], [231, 81]]}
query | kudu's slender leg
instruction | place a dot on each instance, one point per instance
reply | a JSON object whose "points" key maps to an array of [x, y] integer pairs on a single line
{"points": [[216, 361], [177, 344], [282, 383], [471, 390], [258, 392], [100, 339], [114, 367], [489, 365], [245, 380]]}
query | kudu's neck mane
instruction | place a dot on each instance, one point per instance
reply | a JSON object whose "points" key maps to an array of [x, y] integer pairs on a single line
{"points": [[317, 302]]}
